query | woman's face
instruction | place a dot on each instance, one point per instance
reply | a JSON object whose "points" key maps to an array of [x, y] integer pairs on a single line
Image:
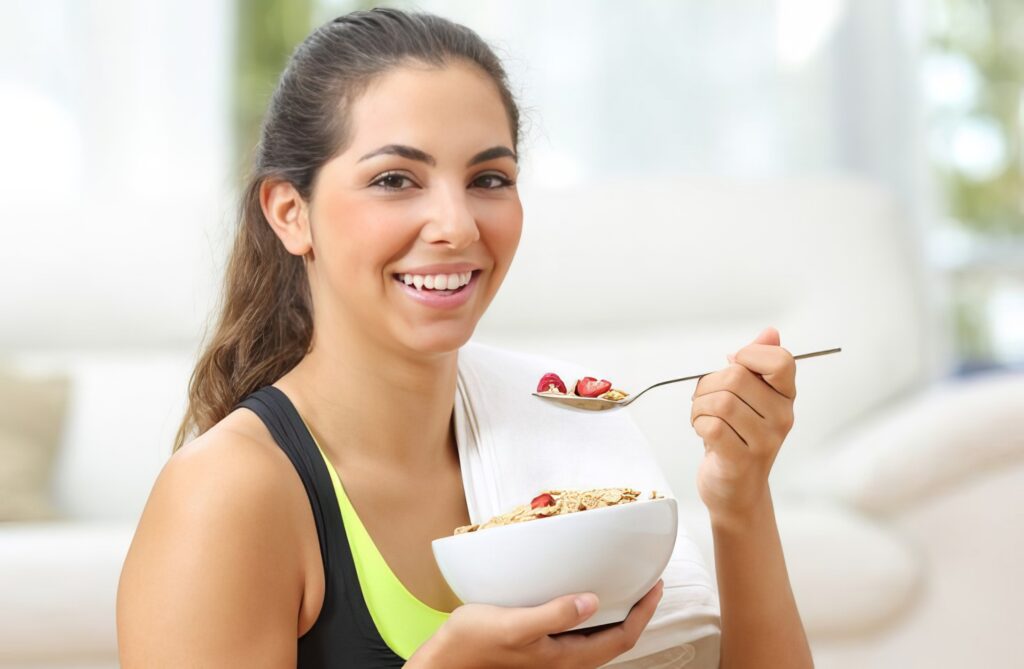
{"points": [[425, 190]]}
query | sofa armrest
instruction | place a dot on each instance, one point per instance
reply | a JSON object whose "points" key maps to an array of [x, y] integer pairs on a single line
{"points": [[942, 437], [59, 587]]}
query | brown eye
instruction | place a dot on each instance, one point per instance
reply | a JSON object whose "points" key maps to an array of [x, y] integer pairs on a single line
{"points": [[491, 181], [392, 181]]}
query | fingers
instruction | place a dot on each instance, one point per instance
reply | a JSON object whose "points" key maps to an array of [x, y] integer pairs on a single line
{"points": [[749, 388], [552, 617], [775, 365], [736, 413], [639, 616], [718, 436], [600, 647]]}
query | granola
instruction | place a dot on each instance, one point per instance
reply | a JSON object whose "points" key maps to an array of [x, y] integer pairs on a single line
{"points": [[561, 502]]}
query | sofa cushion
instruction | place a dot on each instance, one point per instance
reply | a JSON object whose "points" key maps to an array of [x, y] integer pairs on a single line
{"points": [[850, 574], [124, 411], [924, 445], [31, 420]]}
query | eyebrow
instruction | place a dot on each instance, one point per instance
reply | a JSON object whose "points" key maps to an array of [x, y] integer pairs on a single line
{"points": [[423, 157]]}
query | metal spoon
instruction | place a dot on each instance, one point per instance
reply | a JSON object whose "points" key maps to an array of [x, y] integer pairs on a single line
{"points": [[598, 404]]}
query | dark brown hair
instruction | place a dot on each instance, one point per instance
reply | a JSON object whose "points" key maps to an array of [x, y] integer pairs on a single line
{"points": [[265, 325]]}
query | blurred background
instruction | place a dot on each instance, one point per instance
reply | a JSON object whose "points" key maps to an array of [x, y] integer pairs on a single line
{"points": [[849, 172]]}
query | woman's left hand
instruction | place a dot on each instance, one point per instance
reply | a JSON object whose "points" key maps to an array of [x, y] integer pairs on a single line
{"points": [[743, 413]]}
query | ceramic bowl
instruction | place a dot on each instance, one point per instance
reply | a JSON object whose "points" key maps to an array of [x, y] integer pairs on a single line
{"points": [[617, 552]]}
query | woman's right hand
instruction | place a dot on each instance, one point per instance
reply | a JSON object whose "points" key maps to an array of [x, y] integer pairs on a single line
{"points": [[477, 635]]}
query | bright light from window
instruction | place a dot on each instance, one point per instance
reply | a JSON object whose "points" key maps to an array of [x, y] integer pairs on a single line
{"points": [[978, 149], [1006, 314], [802, 27], [42, 145], [950, 81]]}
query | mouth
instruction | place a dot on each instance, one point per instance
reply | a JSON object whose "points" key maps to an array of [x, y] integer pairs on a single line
{"points": [[437, 284], [440, 291]]}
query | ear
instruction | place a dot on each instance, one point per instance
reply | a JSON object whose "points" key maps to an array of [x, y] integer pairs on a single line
{"points": [[287, 214]]}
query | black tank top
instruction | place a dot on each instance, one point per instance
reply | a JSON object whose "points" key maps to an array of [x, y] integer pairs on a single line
{"points": [[344, 635]]}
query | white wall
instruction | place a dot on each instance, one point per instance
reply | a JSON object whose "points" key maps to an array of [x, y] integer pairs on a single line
{"points": [[114, 133]]}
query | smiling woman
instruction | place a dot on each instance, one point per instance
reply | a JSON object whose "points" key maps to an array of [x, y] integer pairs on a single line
{"points": [[338, 419], [440, 201], [378, 224]]}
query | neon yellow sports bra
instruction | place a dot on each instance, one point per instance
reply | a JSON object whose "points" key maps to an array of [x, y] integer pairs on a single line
{"points": [[404, 622]]}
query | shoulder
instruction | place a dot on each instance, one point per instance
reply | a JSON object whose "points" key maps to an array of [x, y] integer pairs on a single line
{"points": [[231, 469], [218, 546], [233, 483]]}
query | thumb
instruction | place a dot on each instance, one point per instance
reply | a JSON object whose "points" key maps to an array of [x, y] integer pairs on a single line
{"points": [[558, 615], [768, 336]]}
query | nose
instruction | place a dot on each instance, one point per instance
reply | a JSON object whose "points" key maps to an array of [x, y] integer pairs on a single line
{"points": [[450, 220]]}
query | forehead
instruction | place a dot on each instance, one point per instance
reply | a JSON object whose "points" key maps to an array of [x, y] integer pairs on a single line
{"points": [[456, 109]]}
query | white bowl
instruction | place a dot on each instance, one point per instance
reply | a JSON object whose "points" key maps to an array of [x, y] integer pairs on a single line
{"points": [[617, 552]]}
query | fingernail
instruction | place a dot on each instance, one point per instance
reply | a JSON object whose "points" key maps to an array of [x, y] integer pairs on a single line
{"points": [[585, 605]]}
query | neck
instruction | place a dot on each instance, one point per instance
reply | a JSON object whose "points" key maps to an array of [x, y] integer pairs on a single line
{"points": [[372, 406]]}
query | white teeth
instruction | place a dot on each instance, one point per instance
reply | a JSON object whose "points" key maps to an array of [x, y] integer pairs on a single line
{"points": [[437, 281]]}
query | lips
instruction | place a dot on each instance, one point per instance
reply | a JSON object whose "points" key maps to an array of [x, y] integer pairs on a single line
{"points": [[440, 282], [415, 286], [440, 268]]}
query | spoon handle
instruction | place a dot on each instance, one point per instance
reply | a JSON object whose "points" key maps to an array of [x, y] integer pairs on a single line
{"points": [[813, 354], [816, 353]]}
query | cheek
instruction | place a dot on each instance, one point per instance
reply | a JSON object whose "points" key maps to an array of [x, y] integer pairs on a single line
{"points": [[361, 234], [501, 231], [509, 241]]}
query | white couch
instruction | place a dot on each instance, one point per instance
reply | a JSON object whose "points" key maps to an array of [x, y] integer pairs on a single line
{"points": [[898, 491]]}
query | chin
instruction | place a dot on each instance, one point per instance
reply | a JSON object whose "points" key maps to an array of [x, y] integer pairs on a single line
{"points": [[438, 338]]}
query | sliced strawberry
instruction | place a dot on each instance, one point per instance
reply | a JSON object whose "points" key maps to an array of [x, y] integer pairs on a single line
{"points": [[588, 386], [551, 379], [542, 499]]}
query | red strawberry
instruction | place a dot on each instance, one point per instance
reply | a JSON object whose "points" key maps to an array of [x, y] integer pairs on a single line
{"points": [[588, 386], [548, 380], [542, 499]]}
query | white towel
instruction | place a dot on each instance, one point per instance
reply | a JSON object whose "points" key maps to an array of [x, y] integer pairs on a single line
{"points": [[513, 445]]}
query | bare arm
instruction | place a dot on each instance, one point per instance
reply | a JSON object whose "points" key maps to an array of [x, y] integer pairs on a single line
{"points": [[760, 623], [211, 579], [744, 413]]}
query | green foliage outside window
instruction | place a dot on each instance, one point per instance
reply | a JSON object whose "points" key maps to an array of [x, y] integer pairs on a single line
{"points": [[987, 36], [267, 32], [974, 76]]}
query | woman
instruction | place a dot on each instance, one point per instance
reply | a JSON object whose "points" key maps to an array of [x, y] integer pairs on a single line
{"points": [[379, 222]]}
